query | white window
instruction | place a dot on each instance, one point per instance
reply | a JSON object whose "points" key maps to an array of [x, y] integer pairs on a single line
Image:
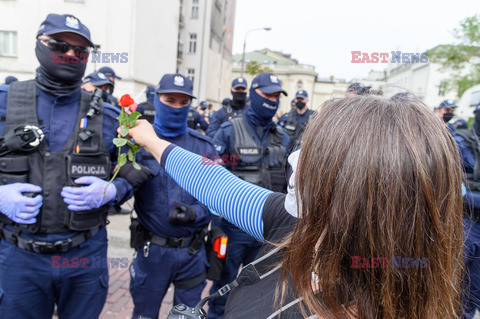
{"points": [[191, 74], [194, 9], [8, 43], [192, 45]]}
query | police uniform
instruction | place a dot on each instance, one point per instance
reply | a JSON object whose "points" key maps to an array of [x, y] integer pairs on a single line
{"points": [[168, 254], [255, 149], [146, 108], [468, 147], [40, 261], [230, 107], [295, 123]]}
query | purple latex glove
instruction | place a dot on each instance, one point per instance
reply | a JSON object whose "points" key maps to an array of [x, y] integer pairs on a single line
{"points": [[19, 208], [90, 196]]}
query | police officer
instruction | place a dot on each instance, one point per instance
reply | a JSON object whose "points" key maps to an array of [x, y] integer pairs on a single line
{"points": [[10, 79], [297, 119], [200, 120], [255, 149], [445, 111], [98, 80], [174, 221], [235, 106], [147, 108], [52, 202], [110, 73], [283, 118]]}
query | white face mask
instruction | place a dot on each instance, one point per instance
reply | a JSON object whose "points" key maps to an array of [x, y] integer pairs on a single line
{"points": [[290, 199]]}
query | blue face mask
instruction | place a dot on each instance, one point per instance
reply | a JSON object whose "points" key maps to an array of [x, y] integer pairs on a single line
{"points": [[170, 121], [261, 110]]}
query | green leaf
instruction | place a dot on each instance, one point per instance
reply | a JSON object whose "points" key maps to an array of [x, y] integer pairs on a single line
{"points": [[119, 142], [136, 166], [136, 148], [130, 156], [124, 131], [122, 159], [132, 120]]}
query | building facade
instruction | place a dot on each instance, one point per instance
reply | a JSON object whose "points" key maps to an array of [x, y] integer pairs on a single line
{"points": [[143, 31], [294, 76], [205, 47]]}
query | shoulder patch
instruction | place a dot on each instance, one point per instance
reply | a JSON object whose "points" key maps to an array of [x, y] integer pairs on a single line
{"points": [[198, 135]]}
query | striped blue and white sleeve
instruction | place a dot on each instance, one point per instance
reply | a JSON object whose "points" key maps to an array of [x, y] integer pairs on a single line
{"points": [[238, 201]]}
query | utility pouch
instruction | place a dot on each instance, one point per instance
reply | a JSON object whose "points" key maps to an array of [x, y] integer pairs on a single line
{"points": [[198, 240], [216, 252], [138, 234]]}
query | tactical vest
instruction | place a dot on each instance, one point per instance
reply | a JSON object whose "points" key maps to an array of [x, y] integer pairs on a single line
{"points": [[472, 142], [295, 128], [148, 111], [260, 165], [191, 120], [84, 154], [230, 112]]}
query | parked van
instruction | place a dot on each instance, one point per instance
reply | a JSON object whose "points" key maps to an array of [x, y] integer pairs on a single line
{"points": [[467, 104]]}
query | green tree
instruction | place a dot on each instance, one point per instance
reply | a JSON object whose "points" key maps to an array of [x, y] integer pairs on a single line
{"points": [[463, 58], [255, 68]]}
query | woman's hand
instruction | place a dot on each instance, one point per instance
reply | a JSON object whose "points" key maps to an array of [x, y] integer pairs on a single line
{"points": [[145, 136]]}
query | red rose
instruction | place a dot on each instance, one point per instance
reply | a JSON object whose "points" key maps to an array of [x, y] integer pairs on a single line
{"points": [[126, 101]]}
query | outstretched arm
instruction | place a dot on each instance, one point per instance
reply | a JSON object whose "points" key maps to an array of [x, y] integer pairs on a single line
{"points": [[234, 199]]}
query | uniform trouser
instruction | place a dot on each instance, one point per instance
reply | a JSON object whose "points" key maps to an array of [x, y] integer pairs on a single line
{"points": [[241, 249], [151, 276], [31, 283]]}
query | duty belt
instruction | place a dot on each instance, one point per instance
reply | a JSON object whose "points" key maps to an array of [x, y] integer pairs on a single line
{"points": [[172, 242], [43, 247]]}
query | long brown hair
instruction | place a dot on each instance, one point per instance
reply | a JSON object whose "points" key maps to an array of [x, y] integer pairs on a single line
{"points": [[381, 179]]}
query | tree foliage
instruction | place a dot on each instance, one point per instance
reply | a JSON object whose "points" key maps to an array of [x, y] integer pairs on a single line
{"points": [[254, 68], [463, 58]]}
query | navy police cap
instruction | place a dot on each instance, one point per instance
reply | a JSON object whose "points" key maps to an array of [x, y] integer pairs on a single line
{"points": [[97, 78], [109, 72], [447, 104], [268, 83], [302, 93], [239, 82], [56, 23], [175, 83]]}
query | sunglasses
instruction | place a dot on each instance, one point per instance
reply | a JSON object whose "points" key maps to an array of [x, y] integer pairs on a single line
{"points": [[64, 47]]}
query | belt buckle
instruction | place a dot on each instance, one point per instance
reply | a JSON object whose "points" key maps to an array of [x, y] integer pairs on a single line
{"points": [[174, 242], [42, 246], [49, 247]]}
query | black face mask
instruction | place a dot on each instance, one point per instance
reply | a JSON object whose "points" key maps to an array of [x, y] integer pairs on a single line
{"points": [[447, 117], [300, 105], [55, 75], [238, 100]]}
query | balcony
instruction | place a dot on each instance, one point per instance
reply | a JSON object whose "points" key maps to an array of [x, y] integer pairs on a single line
{"points": [[181, 21]]}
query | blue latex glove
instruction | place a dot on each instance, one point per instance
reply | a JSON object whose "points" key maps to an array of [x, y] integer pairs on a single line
{"points": [[88, 197], [19, 208]]}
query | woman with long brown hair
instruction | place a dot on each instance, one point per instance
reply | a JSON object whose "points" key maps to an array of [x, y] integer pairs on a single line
{"points": [[379, 226]]}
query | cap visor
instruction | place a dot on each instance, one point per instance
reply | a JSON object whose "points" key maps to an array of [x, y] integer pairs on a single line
{"points": [[273, 89], [175, 91], [238, 86], [117, 77], [70, 30]]}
